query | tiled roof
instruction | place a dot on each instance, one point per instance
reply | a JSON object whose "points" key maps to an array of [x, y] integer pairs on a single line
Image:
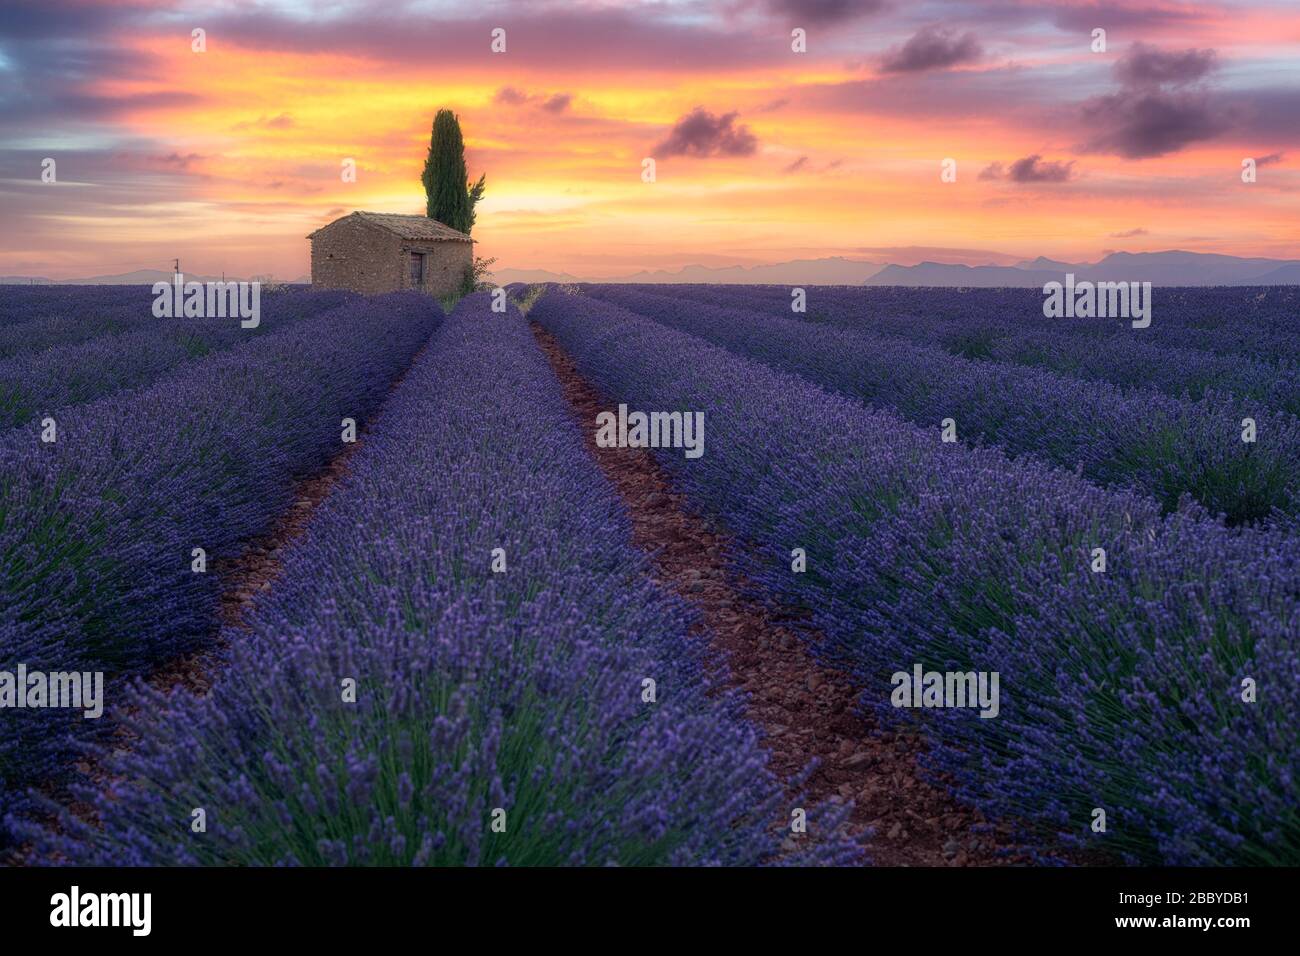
{"points": [[408, 227]]}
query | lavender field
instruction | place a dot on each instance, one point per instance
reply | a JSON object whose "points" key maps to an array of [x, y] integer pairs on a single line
{"points": [[372, 584]]}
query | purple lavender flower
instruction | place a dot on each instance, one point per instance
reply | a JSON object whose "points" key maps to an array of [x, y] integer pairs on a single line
{"points": [[1121, 690], [499, 716]]}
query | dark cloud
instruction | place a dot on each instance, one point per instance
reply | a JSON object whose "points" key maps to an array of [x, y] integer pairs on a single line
{"points": [[1263, 114], [539, 36], [46, 19], [1162, 105], [797, 165], [57, 53], [1271, 159], [1130, 234], [554, 103], [817, 12], [1115, 15], [75, 105], [1030, 169], [1137, 124], [510, 96], [1146, 67], [931, 48], [557, 103], [700, 133]]}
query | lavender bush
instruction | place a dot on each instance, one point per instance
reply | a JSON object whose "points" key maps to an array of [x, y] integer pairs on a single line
{"points": [[22, 303], [1120, 690], [97, 528], [33, 383], [35, 318], [977, 329], [1163, 446], [1258, 322], [520, 691]]}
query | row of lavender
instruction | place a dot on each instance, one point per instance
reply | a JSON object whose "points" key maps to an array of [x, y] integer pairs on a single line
{"points": [[1164, 446], [98, 528], [33, 318], [1260, 322], [36, 382], [24, 303], [982, 325], [540, 704], [1164, 690]]}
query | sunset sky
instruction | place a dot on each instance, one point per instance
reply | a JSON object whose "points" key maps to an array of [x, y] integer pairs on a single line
{"points": [[227, 158]]}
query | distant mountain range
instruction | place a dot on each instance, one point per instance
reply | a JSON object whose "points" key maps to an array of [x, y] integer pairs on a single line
{"points": [[1158, 268], [835, 270]]}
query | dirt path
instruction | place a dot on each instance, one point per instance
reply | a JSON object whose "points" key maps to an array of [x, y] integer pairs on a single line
{"points": [[806, 710]]}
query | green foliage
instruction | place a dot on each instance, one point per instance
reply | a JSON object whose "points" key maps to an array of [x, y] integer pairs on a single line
{"points": [[525, 302], [475, 193], [466, 281], [482, 272], [15, 405], [475, 278], [449, 196]]}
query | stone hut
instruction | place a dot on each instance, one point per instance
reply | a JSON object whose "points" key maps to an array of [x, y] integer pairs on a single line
{"points": [[373, 252]]}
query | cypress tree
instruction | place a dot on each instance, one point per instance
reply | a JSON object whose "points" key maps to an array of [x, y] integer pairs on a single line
{"points": [[449, 197]]}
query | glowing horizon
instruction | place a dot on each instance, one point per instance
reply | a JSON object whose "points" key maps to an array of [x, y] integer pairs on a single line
{"points": [[228, 158]]}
